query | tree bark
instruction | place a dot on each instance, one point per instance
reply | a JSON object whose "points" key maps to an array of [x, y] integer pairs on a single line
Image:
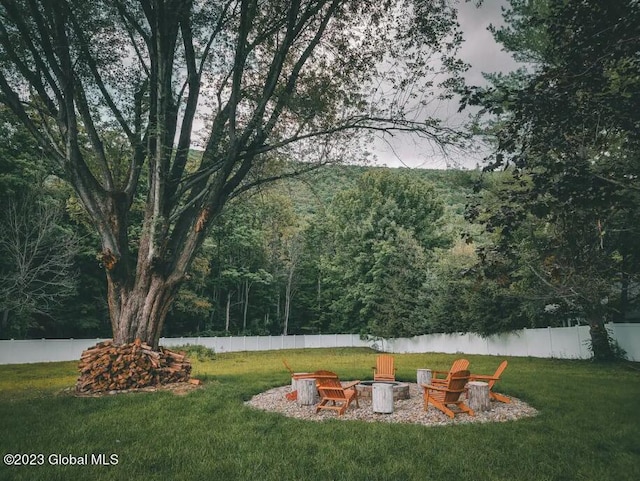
{"points": [[287, 299], [382, 398], [423, 376], [478, 396], [247, 287], [139, 312], [307, 392], [227, 317]]}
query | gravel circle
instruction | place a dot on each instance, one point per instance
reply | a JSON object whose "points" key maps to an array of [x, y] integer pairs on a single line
{"points": [[409, 411]]}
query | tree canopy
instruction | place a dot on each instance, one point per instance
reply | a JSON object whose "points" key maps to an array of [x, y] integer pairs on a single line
{"points": [[378, 241], [566, 127], [114, 92]]}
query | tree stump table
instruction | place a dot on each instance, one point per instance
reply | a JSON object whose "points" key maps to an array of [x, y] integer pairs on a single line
{"points": [[478, 396], [295, 378], [382, 397], [307, 392], [424, 376]]}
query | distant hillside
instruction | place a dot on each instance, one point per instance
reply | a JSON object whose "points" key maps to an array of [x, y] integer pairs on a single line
{"points": [[314, 191]]}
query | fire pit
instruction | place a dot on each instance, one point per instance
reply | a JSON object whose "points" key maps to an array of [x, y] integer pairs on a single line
{"points": [[400, 389]]}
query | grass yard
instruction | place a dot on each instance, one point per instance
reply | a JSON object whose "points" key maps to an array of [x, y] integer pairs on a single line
{"points": [[588, 427]]}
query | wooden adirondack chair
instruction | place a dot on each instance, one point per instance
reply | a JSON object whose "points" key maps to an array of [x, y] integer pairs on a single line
{"points": [[309, 375], [458, 365], [441, 396], [339, 395], [491, 380], [293, 395], [384, 370]]}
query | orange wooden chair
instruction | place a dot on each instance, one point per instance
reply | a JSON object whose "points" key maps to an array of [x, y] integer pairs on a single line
{"points": [[441, 396], [293, 395], [340, 396], [385, 369], [491, 380], [458, 365], [309, 375]]}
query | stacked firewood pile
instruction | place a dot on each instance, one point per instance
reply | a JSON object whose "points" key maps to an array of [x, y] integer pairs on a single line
{"points": [[107, 367]]}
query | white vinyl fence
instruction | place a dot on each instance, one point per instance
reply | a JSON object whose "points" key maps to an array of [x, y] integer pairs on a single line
{"points": [[559, 342], [556, 342]]}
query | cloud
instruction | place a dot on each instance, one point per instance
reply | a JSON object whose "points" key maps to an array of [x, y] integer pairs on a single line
{"points": [[483, 54]]}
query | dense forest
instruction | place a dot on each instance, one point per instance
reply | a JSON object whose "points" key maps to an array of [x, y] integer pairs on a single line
{"points": [[342, 249], [336, 250]]}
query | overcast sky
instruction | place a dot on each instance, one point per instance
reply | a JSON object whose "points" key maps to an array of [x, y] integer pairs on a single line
{"points": [[484, 55]]}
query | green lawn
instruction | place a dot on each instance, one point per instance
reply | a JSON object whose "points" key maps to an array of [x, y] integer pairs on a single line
{"points": [[588, 427]]}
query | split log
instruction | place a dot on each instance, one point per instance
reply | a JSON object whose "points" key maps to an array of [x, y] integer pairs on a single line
{"points": [[107, 367]]}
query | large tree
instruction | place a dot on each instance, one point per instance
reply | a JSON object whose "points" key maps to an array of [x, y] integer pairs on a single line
{"points": [[114, 90], [379, 237], [566, 126]]}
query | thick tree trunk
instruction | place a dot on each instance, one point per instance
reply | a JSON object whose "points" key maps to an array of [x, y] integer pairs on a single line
{"points": [[140, 312], [139, 299]]}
